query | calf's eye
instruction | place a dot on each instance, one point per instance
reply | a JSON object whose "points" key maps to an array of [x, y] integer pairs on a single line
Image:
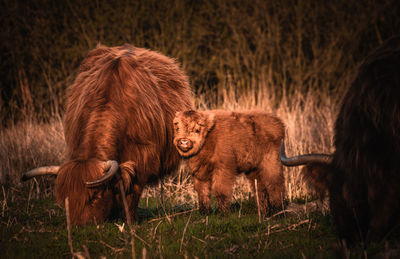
{"points": [[197, 131]]}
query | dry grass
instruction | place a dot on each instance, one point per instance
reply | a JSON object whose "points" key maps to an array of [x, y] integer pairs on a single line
{"points": [[27, 145], [309, 128]]}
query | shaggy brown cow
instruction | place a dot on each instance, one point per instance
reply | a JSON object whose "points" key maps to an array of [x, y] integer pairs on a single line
{"points": [[363, 176], [218, 145], [120, 108]]}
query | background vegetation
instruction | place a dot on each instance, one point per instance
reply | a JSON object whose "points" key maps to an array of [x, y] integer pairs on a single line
{"points": [[292, 58], [278, 46]]}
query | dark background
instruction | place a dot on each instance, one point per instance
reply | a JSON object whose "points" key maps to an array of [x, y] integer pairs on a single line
{"points": [[282, 46]]}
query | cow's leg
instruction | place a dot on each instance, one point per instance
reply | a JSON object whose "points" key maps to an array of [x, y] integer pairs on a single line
{"points": [[203, 189], [222, 186], [270, 183]]}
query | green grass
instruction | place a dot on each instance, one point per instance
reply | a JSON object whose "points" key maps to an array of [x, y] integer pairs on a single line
{"points": [[37, 229]]}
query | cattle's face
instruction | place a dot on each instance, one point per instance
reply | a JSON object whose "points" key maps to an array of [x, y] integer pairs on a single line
{"points": [[98, 205], [86, 204], [190, 131]]}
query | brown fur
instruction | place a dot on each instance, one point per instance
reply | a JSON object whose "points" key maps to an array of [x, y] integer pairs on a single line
{"points": [[120, 107], [223, 144], [363, 179]]}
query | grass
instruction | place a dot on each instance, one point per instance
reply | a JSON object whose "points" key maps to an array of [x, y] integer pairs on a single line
{"points": [[29, 145], [37, 229], [41, 224], [279, 47]]}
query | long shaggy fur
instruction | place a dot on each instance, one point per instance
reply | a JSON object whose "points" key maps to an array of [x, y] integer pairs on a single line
{"points": [[364, 177], [219, 145], [120, 107]]}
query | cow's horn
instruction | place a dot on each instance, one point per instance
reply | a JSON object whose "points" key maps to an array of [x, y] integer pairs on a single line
{"points": [[111, 168], [44, 170], [304, 159]]}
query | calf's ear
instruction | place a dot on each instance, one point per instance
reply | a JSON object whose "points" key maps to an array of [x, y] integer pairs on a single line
{"points": [[210, 121]]}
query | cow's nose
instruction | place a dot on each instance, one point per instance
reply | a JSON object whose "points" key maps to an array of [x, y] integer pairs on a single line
{"points": [[184, 142]]}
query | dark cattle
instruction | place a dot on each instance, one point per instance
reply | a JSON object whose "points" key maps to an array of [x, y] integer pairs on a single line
{"points": [[118, 126], [362, 177]]}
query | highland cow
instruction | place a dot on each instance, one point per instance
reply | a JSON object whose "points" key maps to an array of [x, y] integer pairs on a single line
{"points": [[118, 127], [218, 145], [362, 177]]}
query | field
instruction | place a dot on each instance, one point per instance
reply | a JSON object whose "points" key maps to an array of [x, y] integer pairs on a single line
{"points": [[291, 58], [170, 223]]}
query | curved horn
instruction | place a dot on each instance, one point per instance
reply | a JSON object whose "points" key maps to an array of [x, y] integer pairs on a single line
{"points": [[304, 159], [111, 166], [44, 170]]}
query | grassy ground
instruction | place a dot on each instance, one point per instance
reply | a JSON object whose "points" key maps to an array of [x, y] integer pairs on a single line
{"points": [[36, 228]]}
